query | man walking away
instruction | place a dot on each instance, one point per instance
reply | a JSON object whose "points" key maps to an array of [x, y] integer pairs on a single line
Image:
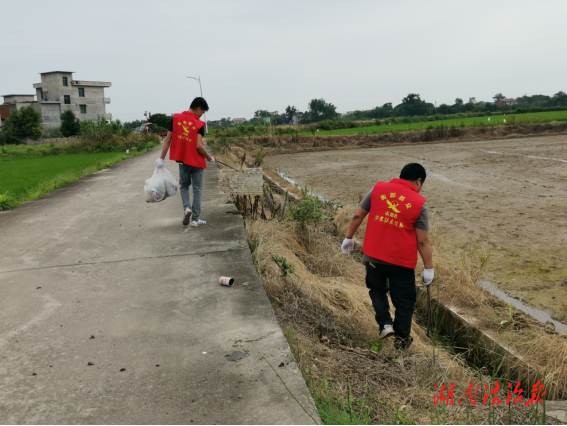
{"points": [[397, 229], [185, 136]]}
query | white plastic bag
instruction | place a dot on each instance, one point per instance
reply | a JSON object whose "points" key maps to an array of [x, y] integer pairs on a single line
{"points": [[161, 185], [154, 189], [171, 185]]}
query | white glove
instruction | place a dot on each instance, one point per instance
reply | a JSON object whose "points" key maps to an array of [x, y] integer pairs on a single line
{"points": [[348, 245], [159, 163], [427, 276], [212, 160]]}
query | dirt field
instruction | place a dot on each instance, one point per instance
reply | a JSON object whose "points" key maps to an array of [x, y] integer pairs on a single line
{"points": [[506, 196]]}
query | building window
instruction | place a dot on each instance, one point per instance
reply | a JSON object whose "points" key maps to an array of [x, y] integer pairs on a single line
{"points": [[45, 96], [67, 99], [81, 92], [65, 81], [83, 109]]}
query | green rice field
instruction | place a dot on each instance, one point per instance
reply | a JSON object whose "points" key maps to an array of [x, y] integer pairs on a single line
{"points": [[26, 178], [497, 120]]}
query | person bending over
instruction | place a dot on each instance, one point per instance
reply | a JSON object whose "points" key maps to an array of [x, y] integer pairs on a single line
{"points": [[398, 227], [185, 137]]}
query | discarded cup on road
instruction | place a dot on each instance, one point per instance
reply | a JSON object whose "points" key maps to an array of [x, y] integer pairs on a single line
{"points": [[226, 281]]}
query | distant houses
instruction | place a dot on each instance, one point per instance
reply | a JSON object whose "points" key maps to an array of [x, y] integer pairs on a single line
{"points": [[58, 92], [352, 112], [14, 103], [505, 101], [226, 122]]}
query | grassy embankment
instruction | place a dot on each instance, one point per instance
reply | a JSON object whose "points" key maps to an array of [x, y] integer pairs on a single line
{"points": [[28, 172], [322, 304], [511, 119]]}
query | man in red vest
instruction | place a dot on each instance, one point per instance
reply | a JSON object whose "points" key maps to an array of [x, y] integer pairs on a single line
{"points": [[397, 229], [185, 136]]}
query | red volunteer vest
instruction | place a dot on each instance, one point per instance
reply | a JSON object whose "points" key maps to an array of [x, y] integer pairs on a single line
{"points": [[184, 140], [390, 232]]}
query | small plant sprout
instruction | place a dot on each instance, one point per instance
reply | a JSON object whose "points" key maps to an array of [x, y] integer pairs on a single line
{"points": [[376, 345], [286, 268]]}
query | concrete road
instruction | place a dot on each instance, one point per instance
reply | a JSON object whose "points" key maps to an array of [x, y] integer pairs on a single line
{"points": [[111, 311]]}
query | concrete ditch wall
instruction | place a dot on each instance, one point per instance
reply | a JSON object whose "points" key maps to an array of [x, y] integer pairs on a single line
{"points": [[482, 346], [486, 348]]}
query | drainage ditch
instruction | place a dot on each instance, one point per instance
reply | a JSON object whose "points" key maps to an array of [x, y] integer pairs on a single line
{"points": [[541, 316], [481, 348]]}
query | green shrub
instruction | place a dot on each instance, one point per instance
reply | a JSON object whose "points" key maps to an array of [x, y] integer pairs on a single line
{"points": [[70, 124], [6, 139], [25, 123], [219, 144], [154, 128], [6, 201], [285, 268], [51, 132], [312, 209], [335, 125], [259, 159]]}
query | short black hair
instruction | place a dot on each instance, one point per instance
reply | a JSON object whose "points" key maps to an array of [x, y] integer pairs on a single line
{"points": [[412, 172], [199, 102]]}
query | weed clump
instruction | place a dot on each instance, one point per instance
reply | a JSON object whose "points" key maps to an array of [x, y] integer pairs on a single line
{"points": [[6, 201]]}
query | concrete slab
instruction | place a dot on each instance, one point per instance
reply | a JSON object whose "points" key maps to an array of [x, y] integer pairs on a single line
{"points": [[557, 410], [92, 274]]}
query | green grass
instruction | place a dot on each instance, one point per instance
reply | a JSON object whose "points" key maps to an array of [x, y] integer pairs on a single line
{"points": [[527, 118], [74, 147], [336, 410], [26, 178], [26, 150]]}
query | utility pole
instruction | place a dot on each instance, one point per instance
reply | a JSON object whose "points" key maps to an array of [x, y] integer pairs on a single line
{"points": [[201, 89]]}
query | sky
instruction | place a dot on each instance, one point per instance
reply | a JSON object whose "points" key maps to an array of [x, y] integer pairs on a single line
{"points": [[254, 54]]}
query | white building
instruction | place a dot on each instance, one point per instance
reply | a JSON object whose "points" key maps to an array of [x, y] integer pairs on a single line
{"points": [[58, 92]]}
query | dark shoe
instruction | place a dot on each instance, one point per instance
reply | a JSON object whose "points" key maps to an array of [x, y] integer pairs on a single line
{"points": [[403, 344]]}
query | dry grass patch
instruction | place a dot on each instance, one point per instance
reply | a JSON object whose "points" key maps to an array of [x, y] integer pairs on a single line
{"points": [[535, 343], [322, 302]]}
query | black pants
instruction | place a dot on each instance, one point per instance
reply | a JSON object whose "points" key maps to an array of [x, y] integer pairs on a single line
{"points": [[400, 282]]}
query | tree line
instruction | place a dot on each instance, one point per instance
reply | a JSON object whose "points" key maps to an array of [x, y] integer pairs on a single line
{"points": [[26, 123], [412, 105]]}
